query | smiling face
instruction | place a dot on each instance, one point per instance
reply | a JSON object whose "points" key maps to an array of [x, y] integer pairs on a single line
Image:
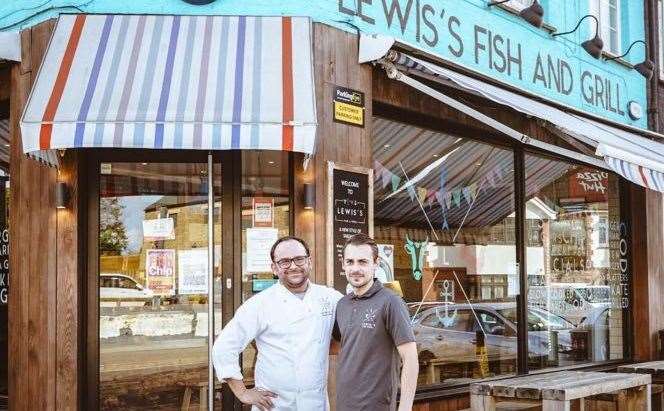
{"points": [[293, 277], [359, 266]]}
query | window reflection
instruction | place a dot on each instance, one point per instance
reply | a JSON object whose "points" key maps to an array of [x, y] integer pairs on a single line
{"points": [[444, 221], [574, 265], [153, 284]]}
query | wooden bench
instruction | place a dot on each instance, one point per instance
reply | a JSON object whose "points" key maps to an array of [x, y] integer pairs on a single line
{"points": [[202, 388], [656, 371], [562, 391]]}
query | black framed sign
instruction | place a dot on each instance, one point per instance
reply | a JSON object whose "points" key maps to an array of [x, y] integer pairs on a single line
{"points": [[350, 212]]}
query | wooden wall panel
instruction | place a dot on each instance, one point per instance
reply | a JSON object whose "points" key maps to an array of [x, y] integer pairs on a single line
{"points": [[647, 271], [335, 64], [43, 304], [655, 259]]}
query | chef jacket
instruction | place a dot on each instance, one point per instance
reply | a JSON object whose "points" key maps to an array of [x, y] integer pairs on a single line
{"points": [[293, 340]]}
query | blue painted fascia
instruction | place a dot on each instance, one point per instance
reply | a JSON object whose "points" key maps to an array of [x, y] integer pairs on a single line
{"points": [[451, 22]]}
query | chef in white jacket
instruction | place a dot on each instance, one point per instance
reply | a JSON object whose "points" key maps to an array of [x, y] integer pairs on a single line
{"points": [[291, 323]]}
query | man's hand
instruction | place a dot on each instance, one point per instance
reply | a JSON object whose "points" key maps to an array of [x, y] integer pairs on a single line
{"points": [[258, 397]]}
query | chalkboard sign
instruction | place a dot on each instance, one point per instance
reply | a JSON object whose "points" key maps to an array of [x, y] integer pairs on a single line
{"points": [[350, 212]]}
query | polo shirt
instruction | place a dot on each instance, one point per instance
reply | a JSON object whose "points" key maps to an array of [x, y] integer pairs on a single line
{"points": [[370, 327]]}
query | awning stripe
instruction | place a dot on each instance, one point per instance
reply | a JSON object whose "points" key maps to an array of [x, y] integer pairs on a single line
{"points": [[287, 69], [239, 71], [112, 77], [61, 80], [654, 180], [221, 90], [640, 175], [175, 82], [92, 82], [148, 77], [184, 83], [643, 176], [256, 85], [202, 84], [166, 84]]}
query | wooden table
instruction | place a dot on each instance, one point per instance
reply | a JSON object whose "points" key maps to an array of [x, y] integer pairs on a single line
{"points": [[562, 390], [656, 371]]}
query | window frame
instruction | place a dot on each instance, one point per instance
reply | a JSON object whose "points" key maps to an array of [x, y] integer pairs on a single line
{"points": [[601, 9]]}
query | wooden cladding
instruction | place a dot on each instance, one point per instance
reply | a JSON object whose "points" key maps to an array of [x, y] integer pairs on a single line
{"points": [[44, 319]]}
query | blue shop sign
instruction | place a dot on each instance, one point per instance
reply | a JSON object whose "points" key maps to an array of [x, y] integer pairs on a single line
{"points": [[487, 40]]}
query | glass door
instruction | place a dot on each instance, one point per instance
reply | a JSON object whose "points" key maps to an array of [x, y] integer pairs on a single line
{"points": [[155, 221], [151, 221]]}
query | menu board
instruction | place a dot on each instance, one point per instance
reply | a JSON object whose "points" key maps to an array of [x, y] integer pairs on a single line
{"points": [[350, 212]]}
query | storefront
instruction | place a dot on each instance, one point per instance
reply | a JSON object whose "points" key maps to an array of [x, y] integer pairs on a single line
{"points": [[169, 151]]}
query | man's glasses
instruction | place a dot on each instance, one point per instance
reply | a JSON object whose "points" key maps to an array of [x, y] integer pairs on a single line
{"points": [[286, 262]]}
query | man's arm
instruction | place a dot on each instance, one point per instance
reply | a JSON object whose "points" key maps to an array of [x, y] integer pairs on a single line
{"points": [[233, 339], [409, 372], [255, 396]]}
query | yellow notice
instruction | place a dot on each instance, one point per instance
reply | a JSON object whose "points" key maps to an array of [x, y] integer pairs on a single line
{"points": [[348, 113]]}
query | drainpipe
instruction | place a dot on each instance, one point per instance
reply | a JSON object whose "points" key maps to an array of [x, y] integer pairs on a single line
{"points": [[650, 15]]}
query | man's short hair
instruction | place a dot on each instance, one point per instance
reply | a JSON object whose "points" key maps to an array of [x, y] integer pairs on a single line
{"points": [[363, 239], [288, 238]]}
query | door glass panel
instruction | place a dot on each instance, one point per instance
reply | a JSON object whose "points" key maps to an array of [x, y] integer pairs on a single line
{"points": [[265, 217], [153, 254]]}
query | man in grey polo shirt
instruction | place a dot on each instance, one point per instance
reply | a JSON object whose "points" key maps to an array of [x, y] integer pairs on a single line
{"points": [[374, 328]]}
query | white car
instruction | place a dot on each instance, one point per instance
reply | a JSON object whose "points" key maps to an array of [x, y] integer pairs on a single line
{"points": [[122, 290]]}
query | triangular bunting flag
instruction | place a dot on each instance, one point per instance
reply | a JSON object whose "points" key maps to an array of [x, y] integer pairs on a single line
{"points": [[421, 194], [386, 177], [411, 192], [378, 171], [448, 200], [456, 196], [395, 181], [467, 196], [439, 198], [430, 198], [473, 191]]}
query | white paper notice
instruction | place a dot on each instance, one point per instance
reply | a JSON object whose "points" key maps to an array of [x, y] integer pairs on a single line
{"points": [[158, 229], [192, 271], [259, 242]]}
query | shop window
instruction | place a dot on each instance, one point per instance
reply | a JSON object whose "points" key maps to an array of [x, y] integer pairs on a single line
{"points": [[581, 290], [608, 15], [444, 222]]}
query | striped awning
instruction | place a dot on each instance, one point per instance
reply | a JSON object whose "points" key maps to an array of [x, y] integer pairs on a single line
{"points": [[174, 82]]}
